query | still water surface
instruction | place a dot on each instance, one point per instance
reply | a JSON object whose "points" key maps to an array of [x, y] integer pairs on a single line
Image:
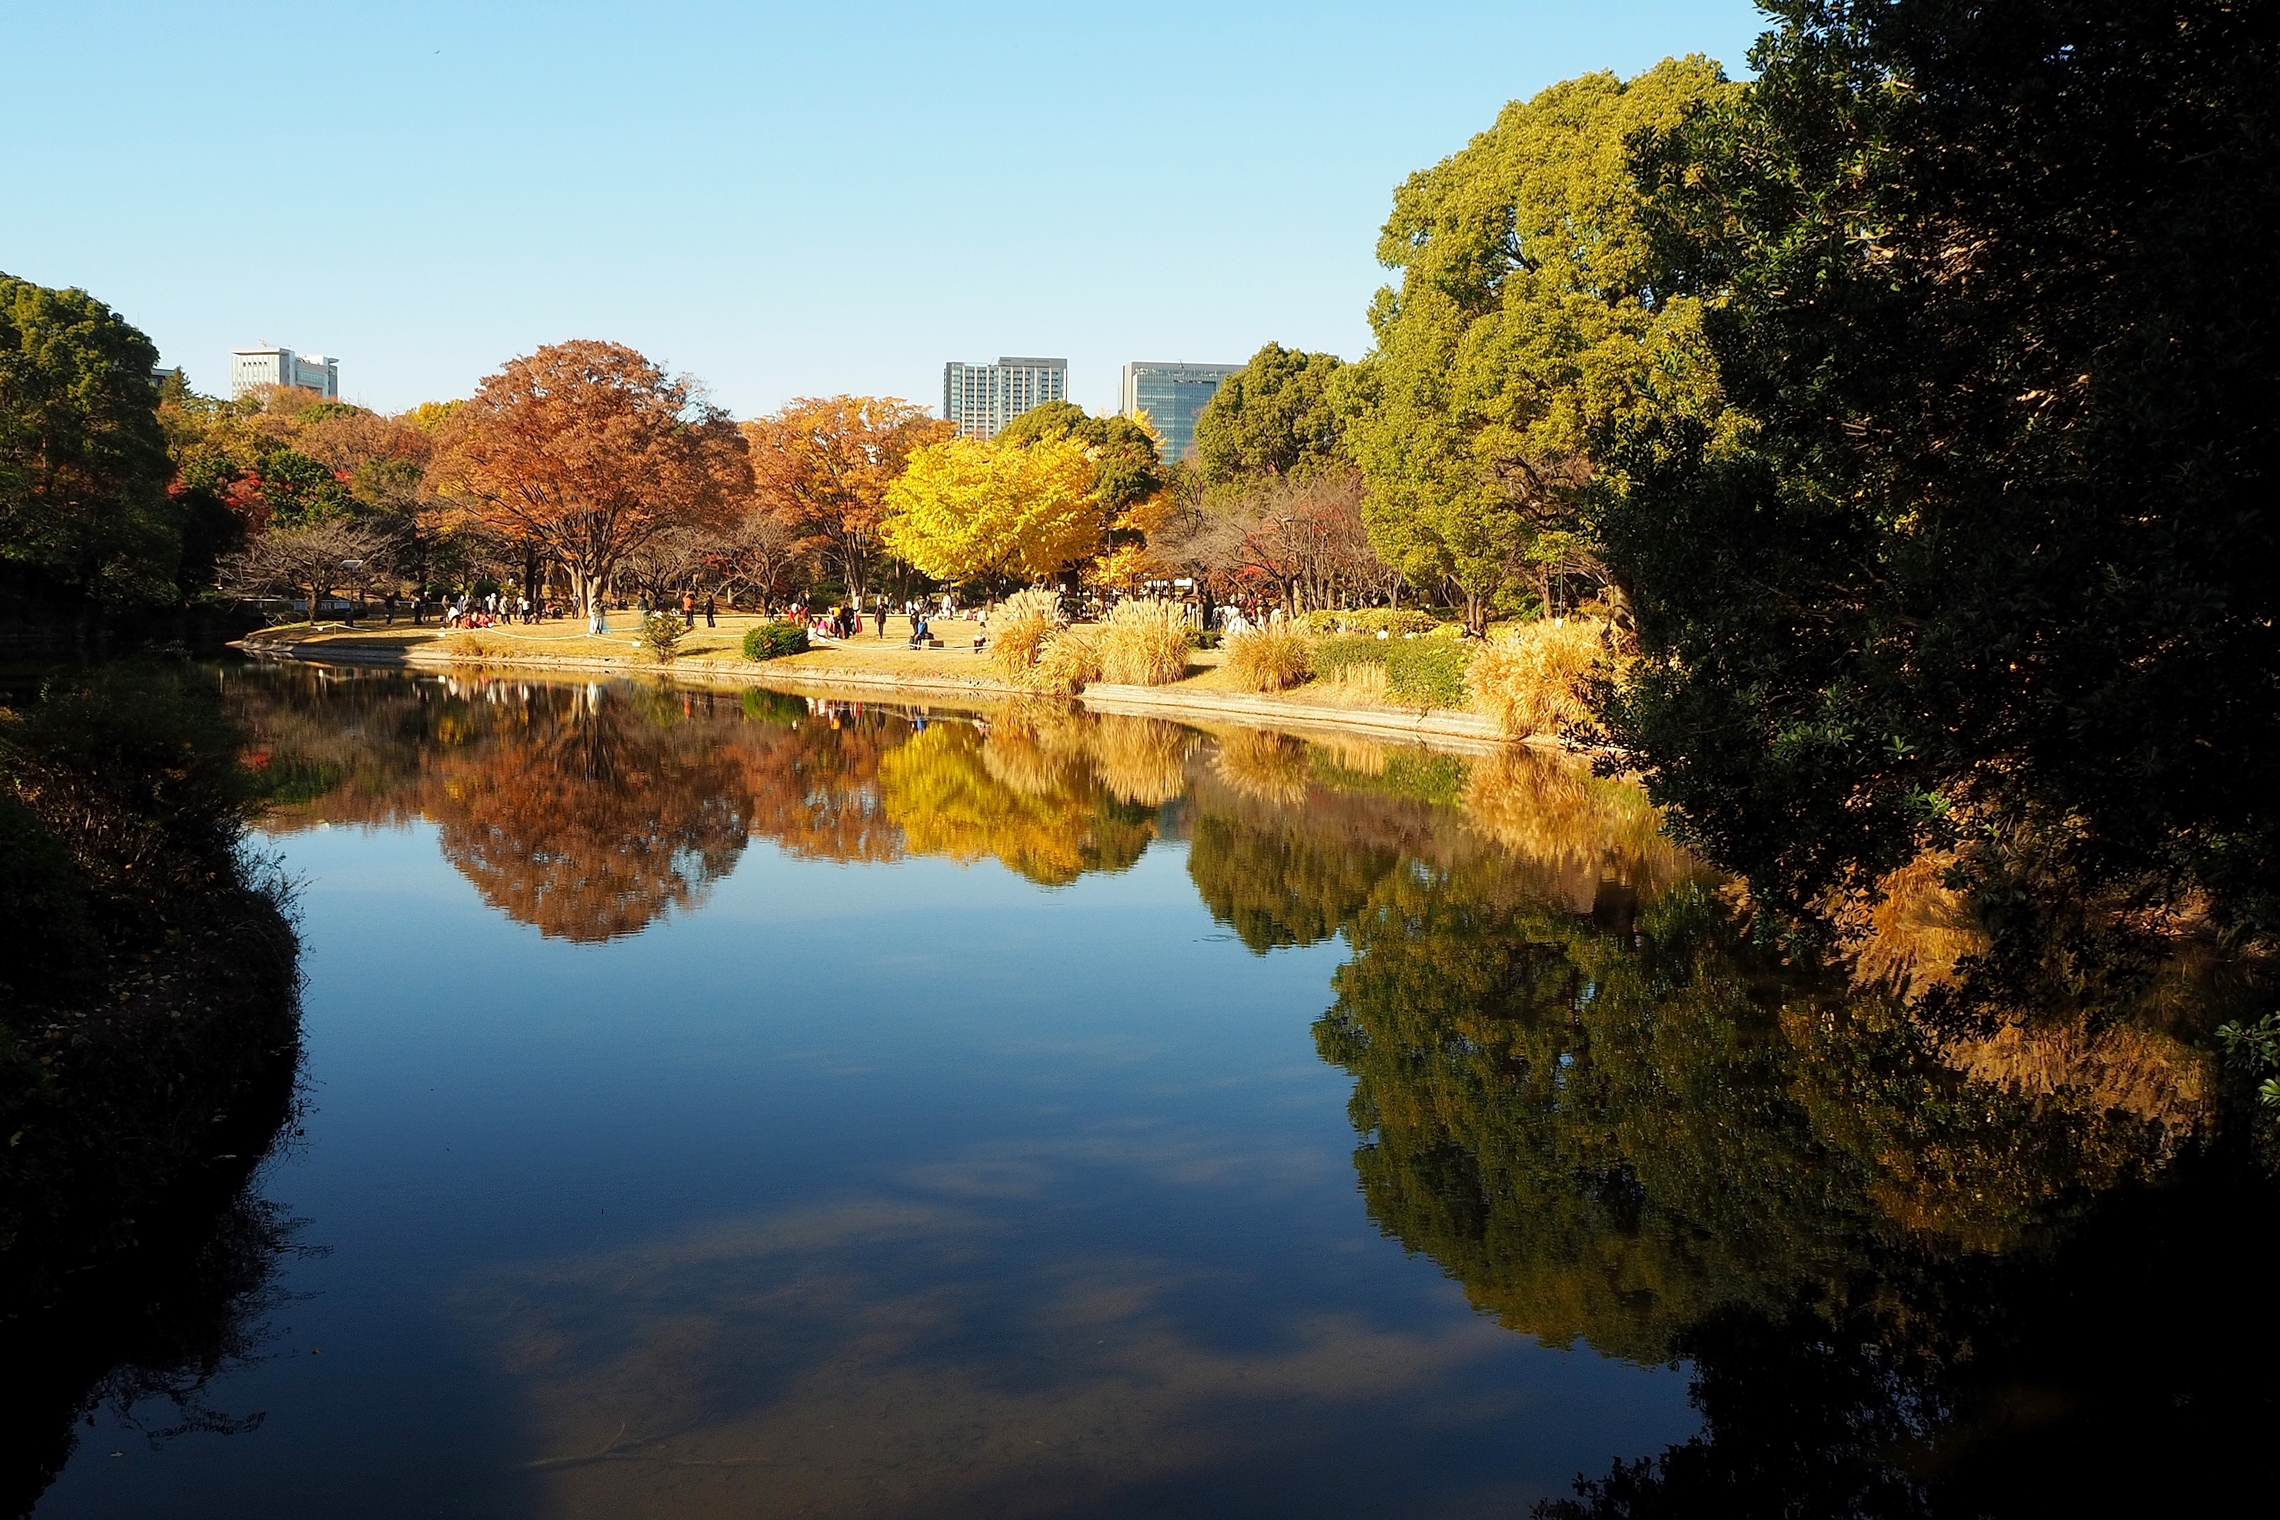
{"points": [[756, 1106]]}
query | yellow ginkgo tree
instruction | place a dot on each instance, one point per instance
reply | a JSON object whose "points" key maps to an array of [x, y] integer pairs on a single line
{"points": [[966, 510]]}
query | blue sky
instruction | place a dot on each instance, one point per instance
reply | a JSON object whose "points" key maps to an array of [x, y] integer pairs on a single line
{"points": [[781, 199]]}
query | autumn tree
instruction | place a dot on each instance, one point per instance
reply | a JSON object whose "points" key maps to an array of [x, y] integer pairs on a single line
{"points": [[822, 467], [588, 450], [1533, 310], [966, 509]]}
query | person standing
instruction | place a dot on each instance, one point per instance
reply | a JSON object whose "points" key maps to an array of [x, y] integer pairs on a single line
{"points": [[882, 610], [711, 610], [688, 609]]}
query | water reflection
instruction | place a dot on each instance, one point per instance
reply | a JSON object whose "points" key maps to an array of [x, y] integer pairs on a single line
{"points": [[1607, 1118]]}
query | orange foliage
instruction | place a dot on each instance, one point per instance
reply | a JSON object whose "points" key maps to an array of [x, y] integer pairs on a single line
{"points": [[821, 467]]}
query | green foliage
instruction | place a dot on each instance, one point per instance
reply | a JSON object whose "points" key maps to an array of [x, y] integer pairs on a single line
{"points": [[764, 706], [1419, 672], [772, 640], [661, 635], [1986, 559], [83, 463], [1274, 416], [1394, 621], [1127, 468], [1532, 311], [2254, 1051], [301, 491], [148, 1017]]}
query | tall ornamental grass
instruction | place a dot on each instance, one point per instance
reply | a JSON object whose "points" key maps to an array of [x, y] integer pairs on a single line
{"points": [[1144, 644], [1530, 679], [1070, 660], [1274, 658], [1018, 632]]}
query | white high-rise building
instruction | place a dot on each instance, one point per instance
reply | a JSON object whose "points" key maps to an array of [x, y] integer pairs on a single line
{"points": [[251, 368], [982, 398]]}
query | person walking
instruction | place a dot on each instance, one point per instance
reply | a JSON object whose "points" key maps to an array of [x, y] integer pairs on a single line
{"points": [[882, 619]]}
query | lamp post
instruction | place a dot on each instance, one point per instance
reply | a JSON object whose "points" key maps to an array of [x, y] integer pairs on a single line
{"points": [[353, 567]]}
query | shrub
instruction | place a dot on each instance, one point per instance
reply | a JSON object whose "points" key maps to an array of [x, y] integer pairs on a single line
{"points": [[1427, 672], [1019, 629], [467, 644], [1273, 658], [1070, 660], [1368, 621], [661, 636], [1145, 644], [773, 640], [1338, 653], [1529, 679]]}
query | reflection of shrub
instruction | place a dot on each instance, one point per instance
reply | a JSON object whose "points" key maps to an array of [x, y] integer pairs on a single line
{"points": [[1273, 658], [769, 641], [661, 636], [1269, 766], [1142, 760], [764, 706], [1528, 679], [1019, 630], [1145, 644], [1368, 621]]}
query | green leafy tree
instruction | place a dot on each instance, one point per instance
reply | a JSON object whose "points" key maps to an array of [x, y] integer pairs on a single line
{"points": [[1128, 467], [1987, 562], [1532, 311], [83, 463], [1274, 416]]}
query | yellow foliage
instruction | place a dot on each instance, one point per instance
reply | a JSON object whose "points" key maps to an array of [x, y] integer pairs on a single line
{"points": [[967, 508], [1527, 678], [1269, 766], [1273, 658], [1145, 644], [1551, 810]]}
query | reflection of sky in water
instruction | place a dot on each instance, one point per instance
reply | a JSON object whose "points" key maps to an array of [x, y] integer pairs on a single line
{"points": [[859, 1189]]}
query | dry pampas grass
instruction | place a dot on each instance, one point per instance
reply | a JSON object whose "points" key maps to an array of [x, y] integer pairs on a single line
{"points": [[1273, 658], [1144, 644], [1529, 679], [1551, 810], [1018, 631]]}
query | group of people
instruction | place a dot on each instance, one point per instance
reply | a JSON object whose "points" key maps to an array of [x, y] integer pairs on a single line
{"points": [[487, 611]]}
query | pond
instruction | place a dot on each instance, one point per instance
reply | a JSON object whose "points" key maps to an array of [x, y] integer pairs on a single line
{"points": [[741, 1103]]}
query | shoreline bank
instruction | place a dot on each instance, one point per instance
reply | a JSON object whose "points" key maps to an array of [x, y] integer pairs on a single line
{"points": [[1440, 726]]}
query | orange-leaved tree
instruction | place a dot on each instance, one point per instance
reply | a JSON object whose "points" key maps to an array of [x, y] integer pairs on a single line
{"points": [[588, 450], [822, 467]]}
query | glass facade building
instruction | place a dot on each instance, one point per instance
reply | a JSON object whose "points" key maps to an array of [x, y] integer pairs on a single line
{"points": [[1173, 396], [980, 399]]}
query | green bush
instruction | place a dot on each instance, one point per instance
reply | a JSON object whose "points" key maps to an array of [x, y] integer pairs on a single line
{"points": [[770, 641], [1369, 621], [1427, 672], [661, 636], [1336, 653]]}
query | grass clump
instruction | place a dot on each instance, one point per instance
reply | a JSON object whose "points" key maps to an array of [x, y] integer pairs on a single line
{"points": [[1274, 658], [467, 644], [773, 640], [1070, 661], [1530, 679], [1145, 644], [1019, 630]]}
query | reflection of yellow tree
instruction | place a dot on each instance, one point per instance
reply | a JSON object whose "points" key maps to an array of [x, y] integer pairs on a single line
{"points": [[1142, 760], [1269, 766], [948, 798]]}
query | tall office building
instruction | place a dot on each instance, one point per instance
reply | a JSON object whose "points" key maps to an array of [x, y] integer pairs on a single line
{"points": [[253, 367], [983, 398], [1173, 396]]}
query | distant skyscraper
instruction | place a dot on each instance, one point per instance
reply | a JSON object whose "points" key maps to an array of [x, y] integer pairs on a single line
{"points": [[982, 398], [1173, 396], [252, 367]]}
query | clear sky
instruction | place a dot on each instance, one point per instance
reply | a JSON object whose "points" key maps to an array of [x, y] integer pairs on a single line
{"points": [[781, 199]]}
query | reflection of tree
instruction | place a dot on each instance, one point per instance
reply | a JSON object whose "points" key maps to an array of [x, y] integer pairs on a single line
{"points": [[1643, 1139], [590, 825], [1020, 796]]}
